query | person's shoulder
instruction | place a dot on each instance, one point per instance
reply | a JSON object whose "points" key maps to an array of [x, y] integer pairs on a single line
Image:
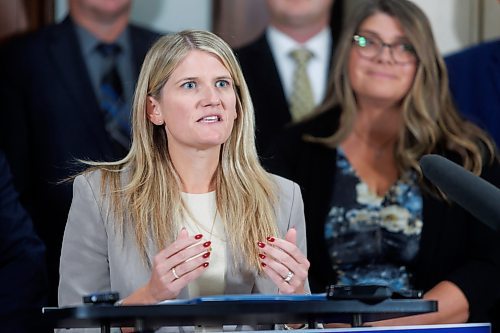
{"points": [[284, 184], [287, 190], [141, 41], [94, 175], [475, 53], [485, 47], [22, 42], [491, 163], [91, 177], [491, 166], [32, 43], [252, 47], [144, 32]]}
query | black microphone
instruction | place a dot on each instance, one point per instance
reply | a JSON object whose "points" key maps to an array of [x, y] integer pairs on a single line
{"points": [[474, 194]]}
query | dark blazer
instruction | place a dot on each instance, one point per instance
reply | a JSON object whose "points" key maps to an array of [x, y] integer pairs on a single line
{"points": [[50, 117], [475, 84], [23, 276], [272, 112], [454, 246]]}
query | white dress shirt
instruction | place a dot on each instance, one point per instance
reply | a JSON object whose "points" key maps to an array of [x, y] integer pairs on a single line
{"points": [[206, 221]]}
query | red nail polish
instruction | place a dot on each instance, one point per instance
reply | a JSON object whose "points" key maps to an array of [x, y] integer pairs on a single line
{"points": [[263, 264], [207, 243], [270, 239], [199, 236], [260, 244], [205, 264], [206, 255], [262, 256]]}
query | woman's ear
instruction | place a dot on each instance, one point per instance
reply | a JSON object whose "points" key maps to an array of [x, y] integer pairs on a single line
{"points": [[153, 111]]}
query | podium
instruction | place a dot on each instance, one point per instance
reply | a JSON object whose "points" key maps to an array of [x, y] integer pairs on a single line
{"points": [[235, 310]]}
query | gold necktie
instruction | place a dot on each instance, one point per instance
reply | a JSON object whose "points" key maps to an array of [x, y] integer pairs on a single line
{"points": [[302, 99]]}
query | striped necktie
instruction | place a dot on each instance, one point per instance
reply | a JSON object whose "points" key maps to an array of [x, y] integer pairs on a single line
{"points": [[302, 98], [111, 97]]}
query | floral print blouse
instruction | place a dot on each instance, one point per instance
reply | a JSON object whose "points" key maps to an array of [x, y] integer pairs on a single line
{"points": [[372, 239]]}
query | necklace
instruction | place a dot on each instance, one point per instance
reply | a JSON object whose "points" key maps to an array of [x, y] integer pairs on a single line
{"points": [[210, 233], [196, 208], [200, 227], [378, 149]]}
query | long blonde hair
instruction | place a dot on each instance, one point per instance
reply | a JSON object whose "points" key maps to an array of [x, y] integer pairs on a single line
{"points": [[430, 118], [150, 194]]}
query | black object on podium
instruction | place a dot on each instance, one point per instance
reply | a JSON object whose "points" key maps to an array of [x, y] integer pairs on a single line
{"points": [[235, 310]]}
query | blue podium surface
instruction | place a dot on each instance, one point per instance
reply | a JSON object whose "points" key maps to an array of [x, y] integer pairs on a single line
{"points": [[236, 310], [450, 328]]}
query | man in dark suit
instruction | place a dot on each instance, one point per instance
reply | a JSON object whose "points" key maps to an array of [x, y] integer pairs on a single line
{"points": [[475, 84], [23, 276], [51, 90], [269, 68]]}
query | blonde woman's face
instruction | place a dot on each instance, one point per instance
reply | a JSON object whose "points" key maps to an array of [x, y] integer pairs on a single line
{"points": [[197, 105], [381, 78]]}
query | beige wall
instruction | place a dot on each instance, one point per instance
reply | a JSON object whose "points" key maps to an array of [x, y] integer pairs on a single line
{"points": [[491, 19], [454, 22]]}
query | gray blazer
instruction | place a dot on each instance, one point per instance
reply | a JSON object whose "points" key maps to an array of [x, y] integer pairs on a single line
{"points": [[94, 258]]}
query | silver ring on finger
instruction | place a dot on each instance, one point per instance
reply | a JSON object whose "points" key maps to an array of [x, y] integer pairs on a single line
{"points": [[288, 277], [174, 273]]}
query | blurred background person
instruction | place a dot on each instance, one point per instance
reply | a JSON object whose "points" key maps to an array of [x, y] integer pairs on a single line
{"points": [[475, 84], [23, 274], [66, 93], [286, 67], [371, 216], [189, 211]]}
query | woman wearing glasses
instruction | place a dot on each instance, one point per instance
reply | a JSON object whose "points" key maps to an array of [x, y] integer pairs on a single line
{"points": [[371, 216]]}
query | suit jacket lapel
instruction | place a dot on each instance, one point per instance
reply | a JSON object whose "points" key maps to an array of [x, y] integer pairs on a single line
{"points": [[269, 74], [264, 82], [66, 57]]}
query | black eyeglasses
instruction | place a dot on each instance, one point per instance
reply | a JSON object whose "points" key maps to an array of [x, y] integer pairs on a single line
{"points": [[370, 47]]}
